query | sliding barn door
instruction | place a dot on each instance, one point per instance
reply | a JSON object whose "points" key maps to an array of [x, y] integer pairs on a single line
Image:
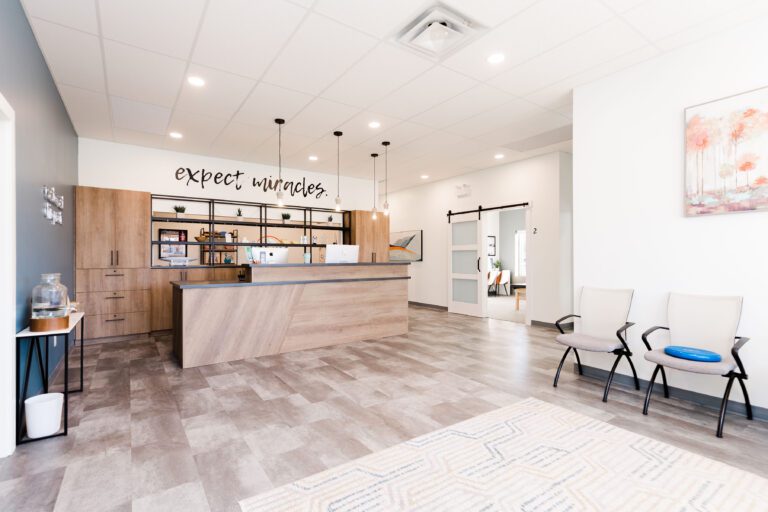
{"points": [[467, 290]]}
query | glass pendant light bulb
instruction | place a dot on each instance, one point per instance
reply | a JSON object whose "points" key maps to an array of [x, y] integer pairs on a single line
{"points": [[373, 214], [386, 209], [338, 204], [280, 201]]}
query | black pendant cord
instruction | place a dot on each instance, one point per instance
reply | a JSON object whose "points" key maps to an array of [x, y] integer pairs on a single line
{"points": [[374, 155], [338, 157], [386, 175], [279, 152]]}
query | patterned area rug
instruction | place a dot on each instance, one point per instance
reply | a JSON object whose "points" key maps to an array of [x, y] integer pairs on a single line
{"points": [[530, 456]]}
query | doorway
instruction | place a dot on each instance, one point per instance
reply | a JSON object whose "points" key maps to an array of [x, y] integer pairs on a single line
{"points": [[507, 255], [8, 273]]}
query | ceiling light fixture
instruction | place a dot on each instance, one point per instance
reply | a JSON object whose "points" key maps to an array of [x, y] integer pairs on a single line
{"points": [[374, 124], [498, 156], [338, 179], [195, 81], [280, 123], [313, 158], [386, 179], [373, 212], [496, 58], [175, 135], [425, 176]]}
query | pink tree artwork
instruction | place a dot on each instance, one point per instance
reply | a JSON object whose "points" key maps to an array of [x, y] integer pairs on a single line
{"points": [[726, 155]]}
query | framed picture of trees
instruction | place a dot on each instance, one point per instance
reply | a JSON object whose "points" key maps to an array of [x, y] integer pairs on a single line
{"points": [[726, 154]]}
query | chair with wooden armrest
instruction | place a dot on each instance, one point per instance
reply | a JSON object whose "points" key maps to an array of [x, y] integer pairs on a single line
{"points": [[602, 327], [706, 322]]}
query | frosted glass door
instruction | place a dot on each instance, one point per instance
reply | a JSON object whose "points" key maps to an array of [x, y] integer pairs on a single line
{"points": [[465, 284]]}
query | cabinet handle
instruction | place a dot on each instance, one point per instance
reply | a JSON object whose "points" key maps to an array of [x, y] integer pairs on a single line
{"points": [[114, 320], [111, 258], [117, 257], [114, 275], [115, 297]]}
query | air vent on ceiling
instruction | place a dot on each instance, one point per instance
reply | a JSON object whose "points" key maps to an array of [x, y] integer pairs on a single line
{"points": [[438, 31]]}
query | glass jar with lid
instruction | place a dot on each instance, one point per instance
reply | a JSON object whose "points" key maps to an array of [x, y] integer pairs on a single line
{"points": [[49, 298]]}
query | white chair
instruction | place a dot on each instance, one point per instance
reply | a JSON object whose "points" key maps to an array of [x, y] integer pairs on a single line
{"points": [[505, 280], [493, 276], [706, 322], [601, 328]]}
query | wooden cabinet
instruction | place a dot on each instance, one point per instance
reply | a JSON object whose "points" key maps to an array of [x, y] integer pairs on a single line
{"points": [[111, 228], [371, 235], [162, 292], [116, 324]]}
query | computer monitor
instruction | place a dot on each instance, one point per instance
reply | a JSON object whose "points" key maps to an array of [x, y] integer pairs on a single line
{"points": [[341, 253]]}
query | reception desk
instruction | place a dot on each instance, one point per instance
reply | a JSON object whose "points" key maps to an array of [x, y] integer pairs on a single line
{"points": [[283, 308]]}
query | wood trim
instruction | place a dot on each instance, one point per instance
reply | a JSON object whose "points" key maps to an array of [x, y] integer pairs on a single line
{"points": [[267, 274]]}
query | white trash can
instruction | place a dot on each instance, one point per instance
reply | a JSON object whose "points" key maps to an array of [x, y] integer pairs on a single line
{"points": [[43, 414]]}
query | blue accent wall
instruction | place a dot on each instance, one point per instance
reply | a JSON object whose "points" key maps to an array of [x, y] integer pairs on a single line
{"points": [[46, 154]]}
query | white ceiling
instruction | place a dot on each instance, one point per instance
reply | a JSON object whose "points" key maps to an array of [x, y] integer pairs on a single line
{"points": [[326, 65]]}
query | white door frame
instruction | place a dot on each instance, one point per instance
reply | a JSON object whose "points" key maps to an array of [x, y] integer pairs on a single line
{"points": [[8, 273], [480, 308]]}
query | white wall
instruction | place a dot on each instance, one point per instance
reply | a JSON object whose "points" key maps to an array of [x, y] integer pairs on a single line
{"points": [[123, 166], [536, 181], [629, 228]]}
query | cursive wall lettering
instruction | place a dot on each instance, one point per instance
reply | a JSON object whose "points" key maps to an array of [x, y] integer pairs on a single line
{"points": [[201, 177]]}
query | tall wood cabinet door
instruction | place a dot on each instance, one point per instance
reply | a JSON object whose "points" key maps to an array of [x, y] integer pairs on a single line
{"points": [[160, 317], [94, 230], [131, 213]]}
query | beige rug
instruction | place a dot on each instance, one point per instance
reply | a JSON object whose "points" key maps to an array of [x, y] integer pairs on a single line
{"points": [[530, 456]]}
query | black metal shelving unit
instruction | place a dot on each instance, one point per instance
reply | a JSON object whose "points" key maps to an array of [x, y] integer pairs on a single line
{"points": [[307, 226]]}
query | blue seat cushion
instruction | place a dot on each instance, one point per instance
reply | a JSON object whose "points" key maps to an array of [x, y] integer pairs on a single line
{"points": [[692, 354]]}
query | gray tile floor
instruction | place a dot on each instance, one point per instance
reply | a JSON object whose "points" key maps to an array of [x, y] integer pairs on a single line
{"points": [[148, 436]]}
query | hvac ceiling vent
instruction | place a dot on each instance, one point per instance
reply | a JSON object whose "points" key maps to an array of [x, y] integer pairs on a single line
{"points": [[438, 31]]}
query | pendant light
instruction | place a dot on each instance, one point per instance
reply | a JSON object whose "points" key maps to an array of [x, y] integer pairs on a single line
{"points": [[386, 179], [338, 180], [280, 123], [373, 212]]}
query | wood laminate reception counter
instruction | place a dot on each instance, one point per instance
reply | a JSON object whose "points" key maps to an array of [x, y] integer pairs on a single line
{"points": [[283, 308]]}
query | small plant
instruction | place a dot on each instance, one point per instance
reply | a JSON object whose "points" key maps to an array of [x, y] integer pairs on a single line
{"points": [[497, 264], [330, 218], [239, 212], [286, 216], [179, 208]]}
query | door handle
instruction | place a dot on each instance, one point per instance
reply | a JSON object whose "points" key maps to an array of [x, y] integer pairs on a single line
{"points": [[117, 257], [478, 264], [111, 258]]}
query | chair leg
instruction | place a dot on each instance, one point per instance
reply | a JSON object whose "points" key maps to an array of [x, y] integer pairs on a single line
{"points": [[610, 377], [506, 290], [664, 380], [634, 373], [724, 406], [650, 388], [746, 398], [557, 375], [578, 361]]}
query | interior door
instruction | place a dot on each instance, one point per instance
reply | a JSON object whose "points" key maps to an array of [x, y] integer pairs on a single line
{"points": [[467, 292], [131, 212]]}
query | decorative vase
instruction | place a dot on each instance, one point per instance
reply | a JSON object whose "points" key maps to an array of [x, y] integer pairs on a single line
{"points": [[50, 304]]}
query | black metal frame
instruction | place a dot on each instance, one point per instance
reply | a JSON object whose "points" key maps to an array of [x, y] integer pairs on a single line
{"points": [[480, 210], [619, 352], [36, 345], [307, 225], [741, 375]]}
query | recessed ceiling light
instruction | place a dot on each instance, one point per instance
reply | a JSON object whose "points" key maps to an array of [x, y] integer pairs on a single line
{"points": [[195, 81], [496, 58], [425, 176], [175, 135], [313, 158], [374, 124], [498, 156]]}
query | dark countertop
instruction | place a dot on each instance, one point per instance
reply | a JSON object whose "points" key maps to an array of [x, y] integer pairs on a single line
{"points": [[267, 265], [185, 285]]}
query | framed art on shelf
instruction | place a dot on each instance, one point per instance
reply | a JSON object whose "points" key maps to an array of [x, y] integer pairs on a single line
{"points": [[172, 250], [406, 245], [491, 245]]}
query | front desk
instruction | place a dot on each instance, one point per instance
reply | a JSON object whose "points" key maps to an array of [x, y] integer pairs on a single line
{"points": [[283, 308]]}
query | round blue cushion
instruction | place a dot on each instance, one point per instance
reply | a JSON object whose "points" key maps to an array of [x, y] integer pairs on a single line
{"points": [[692, 354]]}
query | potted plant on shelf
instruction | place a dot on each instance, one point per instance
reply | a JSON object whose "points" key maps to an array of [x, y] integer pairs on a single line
{"points": [[239, 214], [286, 216], [330, 218], [179, 209]]}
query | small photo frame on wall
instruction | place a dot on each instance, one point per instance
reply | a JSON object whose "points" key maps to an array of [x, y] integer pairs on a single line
{"points": [[491, 245], [172, 250]]}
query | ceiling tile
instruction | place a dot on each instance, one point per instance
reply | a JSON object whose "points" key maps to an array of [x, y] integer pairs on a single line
{"points": [[199, 130], [535, 30], [622, 5], [495, 119], [403, 133], [141, 75], [244, 36], [78, 14], [433, 87], [238, 140], [389, 66], [661, 18], [320, 118], [138, 138], [379, 18], [167, 27], [292, 143], [526, 127], [608, 41], [268, 102], [356, 130], [88, 111], [489, 13], [319, 52], [219, 98], [141, 117], [73, 57], [466, 104]]}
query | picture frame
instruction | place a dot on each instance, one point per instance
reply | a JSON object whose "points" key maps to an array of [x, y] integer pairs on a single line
{"points": [[406, 245], [172, 250], [491, 245]]}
